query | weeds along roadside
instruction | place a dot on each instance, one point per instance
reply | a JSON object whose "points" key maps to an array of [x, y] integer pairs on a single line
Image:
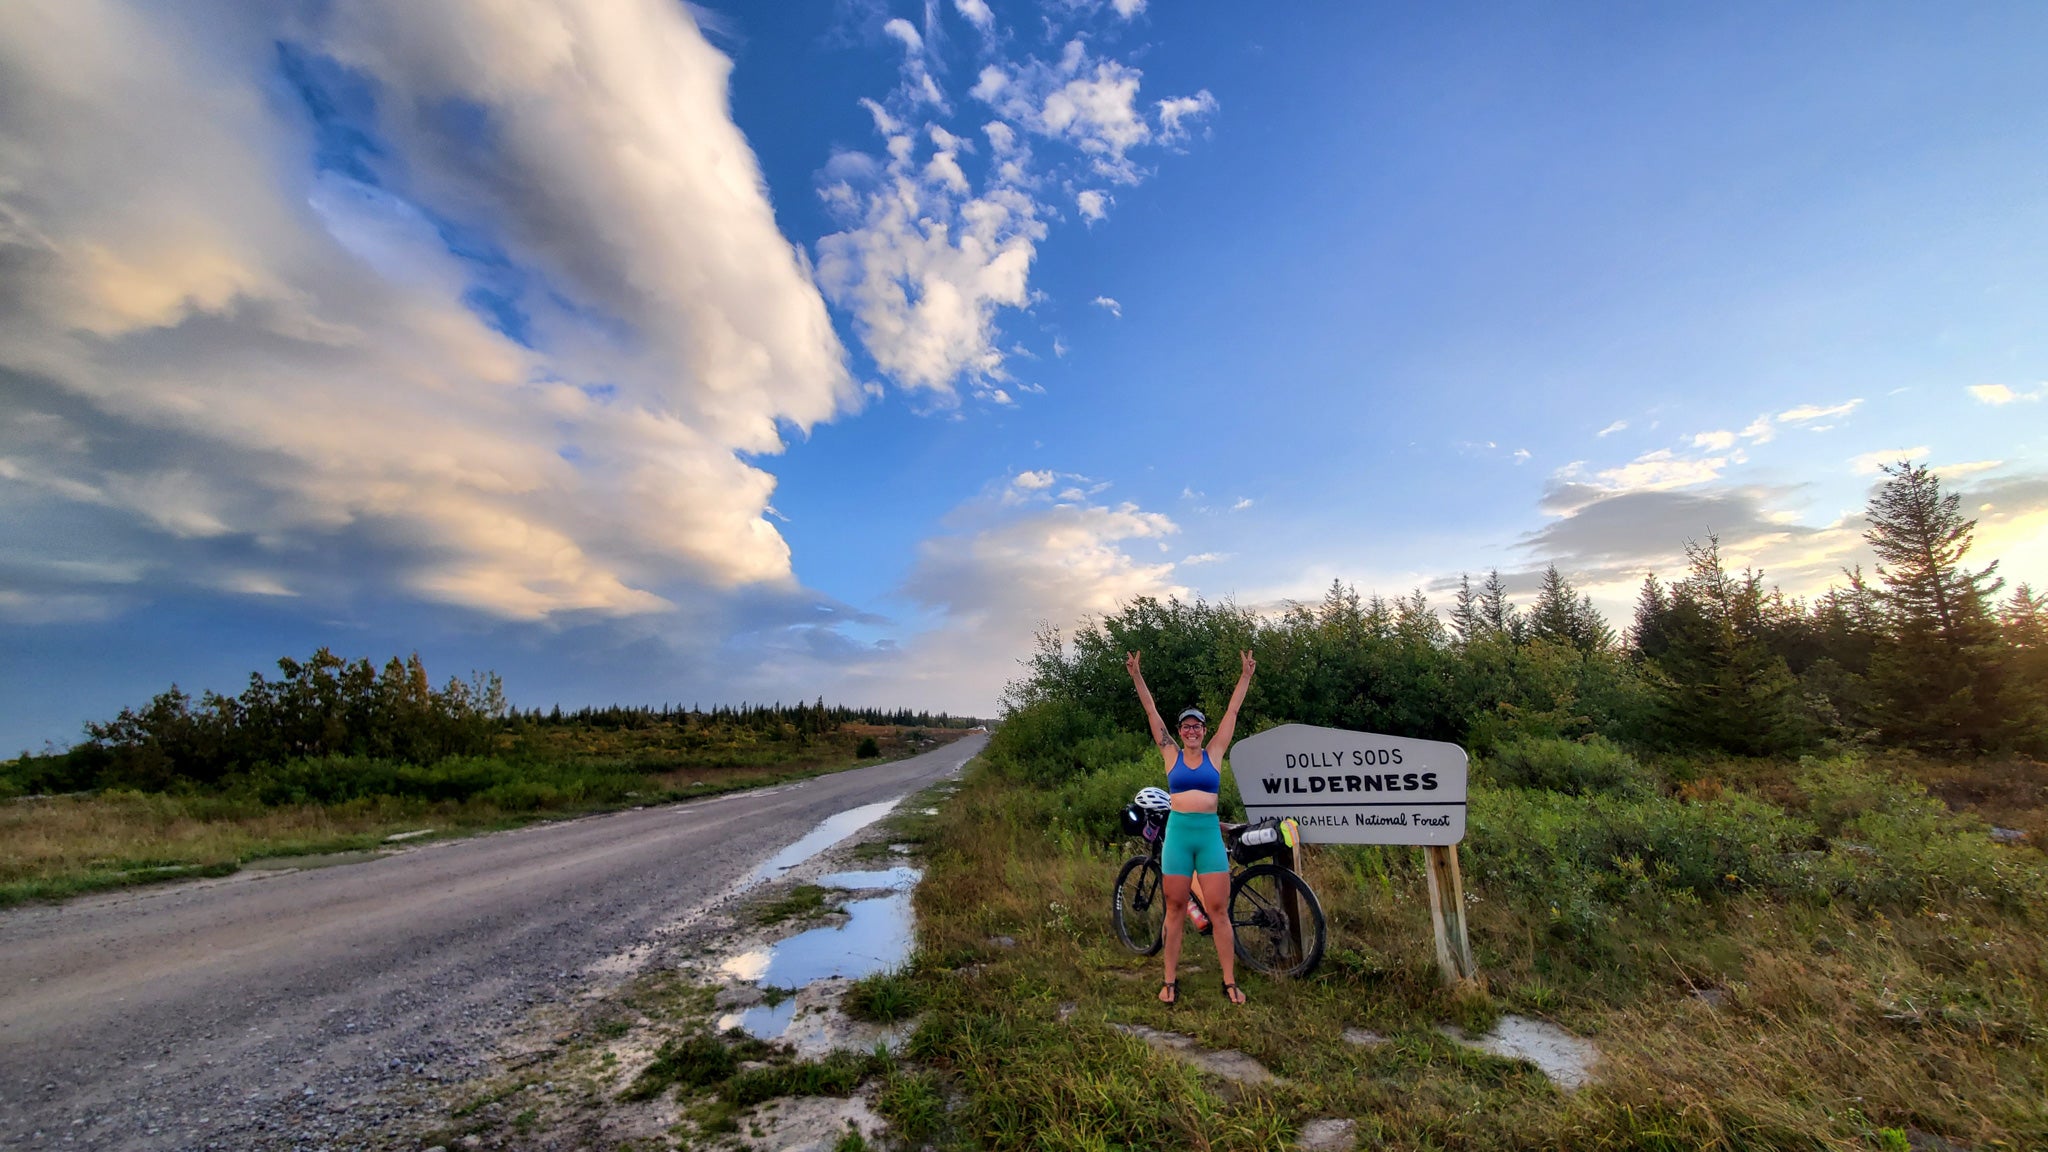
{"points": [[59, 846], [1851, 965]]}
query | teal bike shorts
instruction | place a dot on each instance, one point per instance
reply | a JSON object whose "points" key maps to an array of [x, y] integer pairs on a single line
{"points": [[1194, 845]]}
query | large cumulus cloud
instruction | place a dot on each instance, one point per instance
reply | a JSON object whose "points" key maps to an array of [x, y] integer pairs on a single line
{"points": [[510, 326]]}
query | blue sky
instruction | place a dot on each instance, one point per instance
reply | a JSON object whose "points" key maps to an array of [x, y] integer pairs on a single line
{"points": [[647, 352]]}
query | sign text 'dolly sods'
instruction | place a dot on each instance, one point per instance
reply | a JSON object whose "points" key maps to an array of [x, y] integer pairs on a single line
{"points": [[1354, 787]]}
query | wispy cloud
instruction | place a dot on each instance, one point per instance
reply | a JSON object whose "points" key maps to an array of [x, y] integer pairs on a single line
{"points": [[2000, 394], [1200, 558], [1611, 429], [1868, 463], [1109, 305], [1807, 413]]}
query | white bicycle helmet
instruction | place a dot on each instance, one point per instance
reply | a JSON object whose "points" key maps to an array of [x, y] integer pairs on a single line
{"points": [[1152, 799]]}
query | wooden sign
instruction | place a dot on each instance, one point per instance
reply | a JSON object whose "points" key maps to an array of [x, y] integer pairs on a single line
{"points": [[1354, 787]]}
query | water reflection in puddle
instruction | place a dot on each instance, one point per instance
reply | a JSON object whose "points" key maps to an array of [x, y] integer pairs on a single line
{"points": [[897, 878], [875, 938], [761, 1021], [831, 831]]}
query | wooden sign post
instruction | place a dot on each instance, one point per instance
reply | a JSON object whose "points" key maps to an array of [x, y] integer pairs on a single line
{"points": [[1365, 788]]}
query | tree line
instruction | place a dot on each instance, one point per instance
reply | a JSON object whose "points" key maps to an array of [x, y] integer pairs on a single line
{"points": [[1925, 655], [815, 718], [327, 707]]}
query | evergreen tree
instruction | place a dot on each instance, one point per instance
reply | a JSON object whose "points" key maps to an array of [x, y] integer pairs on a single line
{"points": [[1465, 618], [1718, 684], [2023, 622], [1494, 609], [1937, 667]]}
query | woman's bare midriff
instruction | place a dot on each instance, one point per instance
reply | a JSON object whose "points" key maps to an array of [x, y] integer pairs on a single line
{"points": [[1193, 801]]}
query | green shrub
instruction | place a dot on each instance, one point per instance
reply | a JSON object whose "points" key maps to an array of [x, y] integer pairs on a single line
{"points": [[1894, 845], [867, 749], [1591, 859], [1051, 741], [1580, 767]]}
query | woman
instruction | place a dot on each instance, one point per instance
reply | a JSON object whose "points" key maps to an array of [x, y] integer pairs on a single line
{"points": [[1194, 839]]}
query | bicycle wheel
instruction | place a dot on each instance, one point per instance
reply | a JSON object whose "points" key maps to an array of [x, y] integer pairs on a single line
{"points": [[1139, 908], [1259, 898]]}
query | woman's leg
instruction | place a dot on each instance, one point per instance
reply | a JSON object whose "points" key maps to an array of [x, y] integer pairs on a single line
{"points": [[1216, 898], [1176, 888]]}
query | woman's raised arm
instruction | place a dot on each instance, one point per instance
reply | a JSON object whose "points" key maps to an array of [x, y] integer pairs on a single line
{"points": [[1145, 697], [1227, 727]]}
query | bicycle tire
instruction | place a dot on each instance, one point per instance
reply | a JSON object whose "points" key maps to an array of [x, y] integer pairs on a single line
{"points": [[1258, 919], [1138, 908]]}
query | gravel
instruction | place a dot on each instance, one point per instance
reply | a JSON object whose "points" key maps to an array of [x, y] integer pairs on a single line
{"points": [[333, 1008]]}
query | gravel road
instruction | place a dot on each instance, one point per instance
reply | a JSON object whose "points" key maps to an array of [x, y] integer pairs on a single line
{"points": [[304, 1009]]}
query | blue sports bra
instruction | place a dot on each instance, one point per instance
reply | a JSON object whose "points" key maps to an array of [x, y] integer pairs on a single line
{"points": [[1182, 778]]}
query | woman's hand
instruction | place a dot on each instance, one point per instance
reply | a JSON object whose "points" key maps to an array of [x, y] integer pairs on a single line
{"points": [[1131, 664], [1244, 656]]}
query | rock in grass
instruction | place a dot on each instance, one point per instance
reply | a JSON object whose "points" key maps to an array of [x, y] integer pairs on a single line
{"points": [[1328, 1136], [2008, 835], [1233, 1066], [1363, 1038]]}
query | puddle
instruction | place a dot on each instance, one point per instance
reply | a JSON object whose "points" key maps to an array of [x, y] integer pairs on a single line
{"points": [[826, 834], [896, 878], [875, 938], [761, 1021], [1566, 1059]]}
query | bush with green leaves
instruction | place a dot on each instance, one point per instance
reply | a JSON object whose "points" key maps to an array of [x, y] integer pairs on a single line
{"points": [[1893, 845], [1593, 859], [1580, 767]]}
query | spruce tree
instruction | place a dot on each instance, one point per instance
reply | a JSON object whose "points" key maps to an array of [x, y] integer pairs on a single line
{"points": [[1718, 683], [1465, 619], [1495, 610], [1937, 668]]}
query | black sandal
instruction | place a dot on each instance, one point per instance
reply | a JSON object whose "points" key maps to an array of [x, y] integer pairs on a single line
{"points": [[1172, 986], [1233, 993]]}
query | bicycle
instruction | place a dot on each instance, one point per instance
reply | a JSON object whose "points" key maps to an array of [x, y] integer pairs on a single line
{"points": [[1260, 898]]}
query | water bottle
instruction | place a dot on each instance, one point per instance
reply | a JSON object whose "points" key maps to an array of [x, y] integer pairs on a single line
{"points": [[1255, 837]]}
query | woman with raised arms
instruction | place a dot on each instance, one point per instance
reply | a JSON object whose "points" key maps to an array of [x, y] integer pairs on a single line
{"points": [[1193, 853]]}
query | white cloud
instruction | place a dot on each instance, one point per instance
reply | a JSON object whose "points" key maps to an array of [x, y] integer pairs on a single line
{"points": [[1660, 470], [1520, 455], [1109, 305], [1611, 429], [976, 13], [1204, 558], [1088, 102], [1869, 463], [1034, 481], [1177, 114], [249, 353], [929, 255], [1759, 430], [1810, 412], [991, 587], [1714, 441], [1966, 468], [2000, 394], [1127, 8], [1243, 502]]}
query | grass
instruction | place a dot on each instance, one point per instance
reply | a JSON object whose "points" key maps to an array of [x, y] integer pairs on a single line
{"points": [[1870, 996], [61, 846], [799, 903]]}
